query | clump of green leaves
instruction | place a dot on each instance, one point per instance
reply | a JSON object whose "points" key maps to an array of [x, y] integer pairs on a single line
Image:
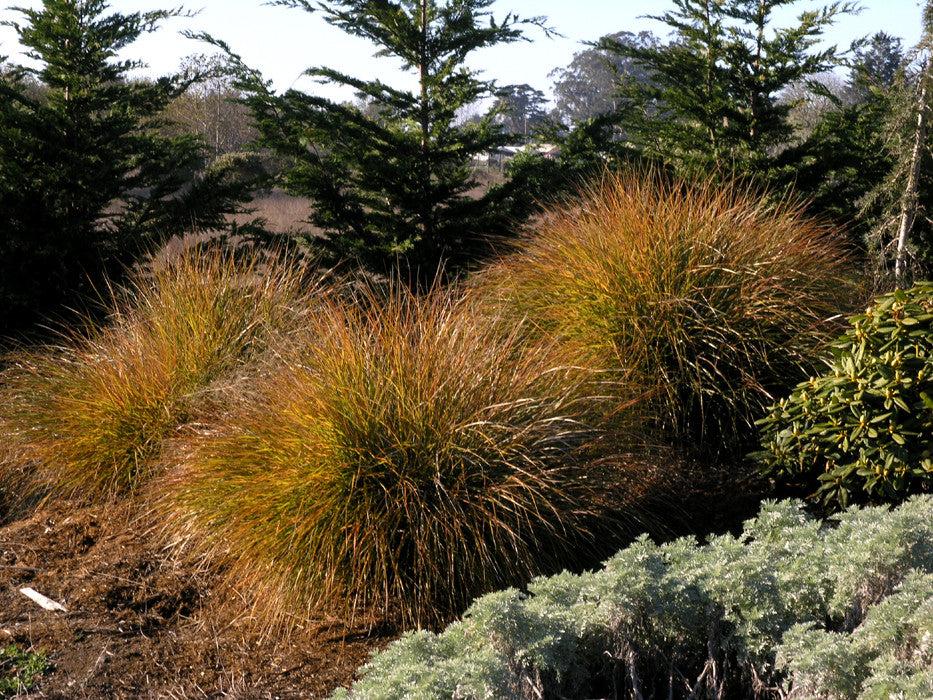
{"points": [[864, 428], [20, 671], [731, 618]]}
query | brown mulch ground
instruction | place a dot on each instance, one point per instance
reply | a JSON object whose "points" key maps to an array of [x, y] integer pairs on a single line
{"points": [[139, 624]]}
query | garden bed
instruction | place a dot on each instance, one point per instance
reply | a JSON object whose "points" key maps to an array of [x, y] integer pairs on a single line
{"points": [[140, 624]]}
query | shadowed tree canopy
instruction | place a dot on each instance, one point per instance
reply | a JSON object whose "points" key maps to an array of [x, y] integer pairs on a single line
{"points": [[843, 146], [876, 64], [901, 235], [86, 181]]}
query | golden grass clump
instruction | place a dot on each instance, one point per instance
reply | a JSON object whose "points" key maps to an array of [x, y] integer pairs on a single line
{"points": [[400, 458], [711, 297], [87, 417]]}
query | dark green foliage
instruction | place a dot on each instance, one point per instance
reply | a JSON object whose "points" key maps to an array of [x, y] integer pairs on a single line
{"points": [[840, 162], [863, 429], [899, 235], [391, 182], [790, 608], [586, 152], [20, 671], [85, 181], [876, 65], [712, 100]]}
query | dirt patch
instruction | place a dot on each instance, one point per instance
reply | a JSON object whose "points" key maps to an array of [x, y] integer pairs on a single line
{"points": [[139, 624]]}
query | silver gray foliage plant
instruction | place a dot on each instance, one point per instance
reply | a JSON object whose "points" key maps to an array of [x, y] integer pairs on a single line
{"points": [[791, 608]]}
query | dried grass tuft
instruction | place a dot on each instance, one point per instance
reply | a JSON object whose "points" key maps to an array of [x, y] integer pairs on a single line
{"points": [[712, 298], [399, 458], [88, 416]]}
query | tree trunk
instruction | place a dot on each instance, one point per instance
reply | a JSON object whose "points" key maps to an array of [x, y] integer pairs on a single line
{"points": [[710, 65], [909, 203], [425, 119]]}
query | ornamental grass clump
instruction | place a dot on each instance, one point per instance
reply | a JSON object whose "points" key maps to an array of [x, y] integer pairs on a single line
{"points": [[863, 428], [399, 458], [87, 418], [712, 297]]}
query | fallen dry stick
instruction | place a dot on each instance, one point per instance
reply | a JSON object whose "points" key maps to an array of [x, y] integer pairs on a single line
{"points": [[41, 600]]}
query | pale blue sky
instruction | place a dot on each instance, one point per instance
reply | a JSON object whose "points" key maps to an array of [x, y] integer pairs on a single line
{"points": [[282, 42]]}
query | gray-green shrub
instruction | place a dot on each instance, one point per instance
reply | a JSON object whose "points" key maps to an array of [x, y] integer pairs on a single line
{"points": [[791, 606], [864, 428]]}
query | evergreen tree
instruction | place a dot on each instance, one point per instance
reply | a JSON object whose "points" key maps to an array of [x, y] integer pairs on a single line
{"points": [[520, 109], [876, 65], [849, 152], [589, 86], [391, 183], [839, 162], [712, 102], [86, 182], [901, 235]]}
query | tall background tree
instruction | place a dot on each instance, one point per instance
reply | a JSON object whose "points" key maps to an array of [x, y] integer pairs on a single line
{"points": [[211, 107], [586, 124], [520, 109], [901, 234], [589, 86], [713, 100], [86, 181], [391, 184], [876, 66]]}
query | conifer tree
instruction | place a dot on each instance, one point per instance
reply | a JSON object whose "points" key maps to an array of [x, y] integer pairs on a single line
{"points": [[86, 182], [901, 239], [391, 183], [844, 155], [712, 102]]}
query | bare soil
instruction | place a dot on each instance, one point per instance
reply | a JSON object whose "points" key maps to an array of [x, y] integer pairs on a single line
{"points": [[140, 624]]}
